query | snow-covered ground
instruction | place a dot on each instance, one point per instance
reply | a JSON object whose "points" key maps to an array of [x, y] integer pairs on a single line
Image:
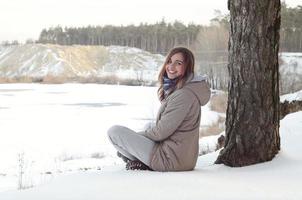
{"points": [[278, 179], [61, 129], [291, 97]]}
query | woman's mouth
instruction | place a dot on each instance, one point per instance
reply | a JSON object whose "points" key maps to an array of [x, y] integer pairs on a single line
{"points": [[172, 72]]}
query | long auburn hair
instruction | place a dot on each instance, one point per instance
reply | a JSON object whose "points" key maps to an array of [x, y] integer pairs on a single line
{"points": [[189, 63]]}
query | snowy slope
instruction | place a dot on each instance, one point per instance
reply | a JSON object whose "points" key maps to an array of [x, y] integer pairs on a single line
{"points": [[39, 60], [278, 179]]}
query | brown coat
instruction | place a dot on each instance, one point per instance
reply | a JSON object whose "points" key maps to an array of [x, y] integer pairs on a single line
{"points": [[177, 128]]}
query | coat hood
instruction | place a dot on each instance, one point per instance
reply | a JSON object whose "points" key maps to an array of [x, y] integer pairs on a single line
{"points": [[200, 87]]}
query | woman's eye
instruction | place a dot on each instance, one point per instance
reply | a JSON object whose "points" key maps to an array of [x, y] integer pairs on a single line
{"points": [[179, 63], [169, 62]]}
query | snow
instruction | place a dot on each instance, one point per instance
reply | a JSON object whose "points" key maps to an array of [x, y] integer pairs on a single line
{"points": [[209, 117], [291, 97], [27, 65], [55, 125], [57, 69], [291, 63], [132, 63], [62, 131], [38, 60], [4, 52], [209, 144]]}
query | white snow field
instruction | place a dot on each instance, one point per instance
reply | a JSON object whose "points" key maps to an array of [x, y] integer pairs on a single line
{"points": [[61, 128], [58, 129]]}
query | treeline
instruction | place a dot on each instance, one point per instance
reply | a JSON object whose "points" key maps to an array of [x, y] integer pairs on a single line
{"points": [[155, 38], [161, 36], [209, 43], [291, 28]]}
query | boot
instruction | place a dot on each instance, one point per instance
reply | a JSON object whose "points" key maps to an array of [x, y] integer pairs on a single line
{"points": [[137, 165]]}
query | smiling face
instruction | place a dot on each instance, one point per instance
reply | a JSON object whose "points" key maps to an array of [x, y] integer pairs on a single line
{"points": [[175, 66]]}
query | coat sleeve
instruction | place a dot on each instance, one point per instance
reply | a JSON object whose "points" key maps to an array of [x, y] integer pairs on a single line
{"points": [[174, 114]]}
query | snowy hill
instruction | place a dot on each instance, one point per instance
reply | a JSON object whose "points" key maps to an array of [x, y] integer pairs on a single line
{"points": [[278, 179], [40, 60]]}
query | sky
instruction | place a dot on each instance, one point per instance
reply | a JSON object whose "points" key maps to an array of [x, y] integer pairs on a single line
{"points": [[24, 19]]}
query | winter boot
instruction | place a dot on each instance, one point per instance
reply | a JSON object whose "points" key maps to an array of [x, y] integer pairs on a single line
{"points": [[137, 165]]}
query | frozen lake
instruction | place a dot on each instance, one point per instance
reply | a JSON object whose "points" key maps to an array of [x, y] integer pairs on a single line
{"points": [[52, 124], [70, 114]]}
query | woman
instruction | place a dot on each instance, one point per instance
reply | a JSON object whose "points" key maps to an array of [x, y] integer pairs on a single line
{"points": [[172, 144]]}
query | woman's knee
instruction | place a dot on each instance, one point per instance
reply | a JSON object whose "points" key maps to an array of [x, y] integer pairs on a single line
{"points": [[117, 131], [113, 130]]}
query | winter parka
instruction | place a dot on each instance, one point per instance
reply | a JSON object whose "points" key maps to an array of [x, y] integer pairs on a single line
{"points": [[176, 132]]}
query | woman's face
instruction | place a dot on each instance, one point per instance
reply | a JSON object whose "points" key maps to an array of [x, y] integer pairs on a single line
{"points": [[175, 66]]}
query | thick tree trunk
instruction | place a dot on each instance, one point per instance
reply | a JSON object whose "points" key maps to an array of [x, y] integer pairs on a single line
{"points": [[252, 123]]}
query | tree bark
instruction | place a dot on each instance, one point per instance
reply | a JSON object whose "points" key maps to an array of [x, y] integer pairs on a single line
{"points": [[252, 122]]}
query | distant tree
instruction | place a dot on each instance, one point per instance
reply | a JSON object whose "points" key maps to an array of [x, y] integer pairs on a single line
{"points": [[15, 42], [43, 36], [5, 43], [291, 28], [30, 41], [252, 122], [211, 51]]}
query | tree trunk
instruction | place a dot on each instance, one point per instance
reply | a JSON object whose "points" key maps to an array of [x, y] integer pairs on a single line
{"points": [[252, 123]]}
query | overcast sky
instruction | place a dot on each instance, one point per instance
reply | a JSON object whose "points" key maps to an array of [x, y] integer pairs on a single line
{"points": [[23, 19]]}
